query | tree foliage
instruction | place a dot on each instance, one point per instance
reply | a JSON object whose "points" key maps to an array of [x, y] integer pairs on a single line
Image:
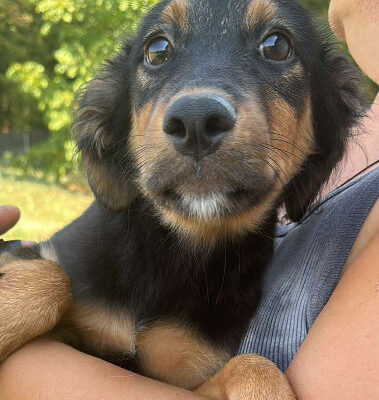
{"points": [[49, 49]]}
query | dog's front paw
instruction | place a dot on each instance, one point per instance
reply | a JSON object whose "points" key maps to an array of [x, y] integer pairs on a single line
{"points": [[247, 377], [34, 294]]}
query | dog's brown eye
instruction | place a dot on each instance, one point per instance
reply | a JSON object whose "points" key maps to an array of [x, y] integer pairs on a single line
{"points": [[158, 51], [276, 47]]}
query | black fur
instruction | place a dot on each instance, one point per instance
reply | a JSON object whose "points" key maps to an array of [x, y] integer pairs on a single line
{"points": [[119, 251], [129, 259], [337, 107]]}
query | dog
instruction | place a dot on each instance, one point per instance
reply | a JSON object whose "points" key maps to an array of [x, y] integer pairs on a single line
{"points": [[212, 117]]}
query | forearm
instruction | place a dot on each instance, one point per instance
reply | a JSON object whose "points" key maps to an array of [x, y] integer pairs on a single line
{"points": [[45, 369]]}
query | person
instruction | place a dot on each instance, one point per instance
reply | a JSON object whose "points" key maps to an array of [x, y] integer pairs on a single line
{"points": [[337, 357]]}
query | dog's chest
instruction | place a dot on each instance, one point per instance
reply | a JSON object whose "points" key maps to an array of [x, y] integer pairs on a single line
{"points": [[165, 351]]}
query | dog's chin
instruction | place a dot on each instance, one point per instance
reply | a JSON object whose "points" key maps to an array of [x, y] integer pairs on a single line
{"points": [[213, 206]]}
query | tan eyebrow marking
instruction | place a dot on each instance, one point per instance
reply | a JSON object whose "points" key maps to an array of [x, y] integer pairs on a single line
{"points": [[259, 11], [176, 14]]}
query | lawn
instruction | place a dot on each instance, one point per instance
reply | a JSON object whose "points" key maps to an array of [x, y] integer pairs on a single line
{"points": [[45, 207]]}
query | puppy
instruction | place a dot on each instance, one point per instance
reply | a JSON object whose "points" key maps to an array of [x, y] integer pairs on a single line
{"points": [[213, 116]]}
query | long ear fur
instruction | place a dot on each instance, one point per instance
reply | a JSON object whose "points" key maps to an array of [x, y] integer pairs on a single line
{"points": [[337, 107], [102, 123]]}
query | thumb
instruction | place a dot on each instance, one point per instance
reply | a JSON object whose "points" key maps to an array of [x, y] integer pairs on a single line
{"points": [[9, 215]]}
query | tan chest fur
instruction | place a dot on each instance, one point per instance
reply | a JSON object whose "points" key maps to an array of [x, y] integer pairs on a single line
{"points": [[165, 351], [178, 356], [95, 326]]}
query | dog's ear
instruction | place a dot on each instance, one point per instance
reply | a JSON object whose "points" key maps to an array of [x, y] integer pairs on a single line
{"points": [[337, 107], [102, 123]]}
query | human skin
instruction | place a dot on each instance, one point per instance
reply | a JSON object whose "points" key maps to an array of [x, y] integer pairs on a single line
{"points": [[356, 23], [339, 357], [49, 370], [9, 216]]}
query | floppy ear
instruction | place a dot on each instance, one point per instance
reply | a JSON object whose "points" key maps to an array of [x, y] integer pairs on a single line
{"points": [[102, 123], [337, 107]]}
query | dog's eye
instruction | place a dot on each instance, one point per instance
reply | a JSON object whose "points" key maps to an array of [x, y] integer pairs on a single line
{"points": [[158, 51], [276, 47]]}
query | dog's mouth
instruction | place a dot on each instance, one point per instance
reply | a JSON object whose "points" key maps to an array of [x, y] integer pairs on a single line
{"points": [[222, 186], [214, 205]]}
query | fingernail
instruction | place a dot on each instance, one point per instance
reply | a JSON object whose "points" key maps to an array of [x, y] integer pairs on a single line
{"points": [[25, 243]]}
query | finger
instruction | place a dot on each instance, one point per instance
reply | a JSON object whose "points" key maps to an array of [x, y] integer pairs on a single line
{"points": [[9, 215]]}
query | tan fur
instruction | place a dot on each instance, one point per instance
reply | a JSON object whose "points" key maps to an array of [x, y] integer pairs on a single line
{"points": [[258, 12], [98, 327], [33, 297], [176, 355], [248, 377], [141, 125], [279, 151], [6, 258], [47, 252], [147, 139], [176, 14], [107, 186], [210, 232], [292, 137]]}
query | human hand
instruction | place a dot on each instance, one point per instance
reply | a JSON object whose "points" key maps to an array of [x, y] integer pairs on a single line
{"points": [[9, 216]]}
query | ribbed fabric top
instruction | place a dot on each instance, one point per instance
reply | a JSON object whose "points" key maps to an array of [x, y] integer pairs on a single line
{"points": [[309, 257]]}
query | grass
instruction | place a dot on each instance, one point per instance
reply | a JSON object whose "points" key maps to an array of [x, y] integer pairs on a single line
{"points": [[45, 207]]}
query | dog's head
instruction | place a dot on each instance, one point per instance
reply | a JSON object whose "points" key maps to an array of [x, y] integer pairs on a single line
{"points": [[218, 111]]}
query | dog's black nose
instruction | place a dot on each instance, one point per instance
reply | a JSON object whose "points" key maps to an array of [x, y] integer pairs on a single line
{"points": [[197, 124]]}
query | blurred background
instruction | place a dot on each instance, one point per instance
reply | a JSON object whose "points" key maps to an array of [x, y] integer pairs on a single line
{"points": [[49, 49]]}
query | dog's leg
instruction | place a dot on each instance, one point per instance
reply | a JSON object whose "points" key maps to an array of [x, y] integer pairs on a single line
{"points": [[247, 377], [34, 294]]}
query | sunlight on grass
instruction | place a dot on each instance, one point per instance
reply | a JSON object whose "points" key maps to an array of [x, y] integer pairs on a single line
{"points": [[45, 208]]}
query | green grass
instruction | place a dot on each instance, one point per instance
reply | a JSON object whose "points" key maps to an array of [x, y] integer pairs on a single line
{"points": [[45, 207]]}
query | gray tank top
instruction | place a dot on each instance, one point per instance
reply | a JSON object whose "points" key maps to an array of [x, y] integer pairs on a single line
{"points": [[309, 257]]}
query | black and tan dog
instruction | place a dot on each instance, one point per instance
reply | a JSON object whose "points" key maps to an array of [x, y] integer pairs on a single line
{"points": [[212, 117]]}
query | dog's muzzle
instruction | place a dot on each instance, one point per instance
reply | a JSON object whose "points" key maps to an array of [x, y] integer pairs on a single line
{"points": [[197, 124]]}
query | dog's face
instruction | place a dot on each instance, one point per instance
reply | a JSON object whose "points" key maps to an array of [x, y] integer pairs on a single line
{"points": [[218, 111], [221, 117]]}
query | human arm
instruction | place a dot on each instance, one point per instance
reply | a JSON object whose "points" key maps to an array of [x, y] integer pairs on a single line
{"points": [[339, 358], [52, 370]]}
